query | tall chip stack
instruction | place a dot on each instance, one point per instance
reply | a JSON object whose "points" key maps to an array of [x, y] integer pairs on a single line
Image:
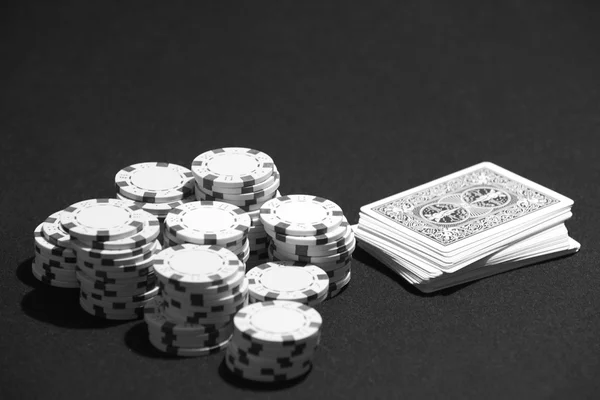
{"points": [[156, 187], [209, 223], [202, 287], [273, 341], [312, 230], [115, 243], [55, 260], [287, 280], [242, 177]]}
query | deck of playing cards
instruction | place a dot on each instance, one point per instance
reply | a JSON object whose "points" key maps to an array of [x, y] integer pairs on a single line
{"points": [[471, 224]]}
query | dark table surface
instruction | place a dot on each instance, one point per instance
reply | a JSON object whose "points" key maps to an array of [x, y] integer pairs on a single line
{"points": [[354, 102]]}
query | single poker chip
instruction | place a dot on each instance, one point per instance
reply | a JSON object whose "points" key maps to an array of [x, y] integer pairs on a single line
{"points": [[242, 372], [286, 280], [335, 257], [240, 203], [338, 246], [108, 314], [317, 240], [103, 219], [301, 215], [43, 246], [154, 182], [126, 299], [159, 209], [188, 352], [232, 167], [240, 190], [53, 231], [148, 234], [279, 321], [267, 192], [157, 320], [112, 254], [196, 266], [207, 222]]}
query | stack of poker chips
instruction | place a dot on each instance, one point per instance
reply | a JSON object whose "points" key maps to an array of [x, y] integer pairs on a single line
{"points": [[273, 341], [115, 242], [209, 223], [55, 260], [202, 287], [313, 230], [243, 177], [156, 187], [287, 280]]}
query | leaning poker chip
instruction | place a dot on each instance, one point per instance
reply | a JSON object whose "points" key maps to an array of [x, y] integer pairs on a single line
{"points": [[46, 247], [156, 247], [318, 240], [188, 352], [190, 265], [53, 231], [232, 167], [335, 247], [157, 320], [158, 209], [240, 203], [260, 193], [207, 222], [102, 219], [287, 280], [271, 180], [301, 215], [148, 234], [112, 254], [154, 182], [279, 321]]}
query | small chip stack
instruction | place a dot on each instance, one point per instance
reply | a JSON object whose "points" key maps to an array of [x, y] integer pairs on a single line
{"points": [[273, 341], [288, 280], [243, 177], [55, 260], [115, 244], [208, 223], [313, 230], [156, 187], [202, 287]]}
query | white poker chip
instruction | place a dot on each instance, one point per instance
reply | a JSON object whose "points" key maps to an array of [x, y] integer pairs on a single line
{"points": [[232, 167], [301, 215], [155, 182], [287, 280], [53, 231], [278, 322], [103, 219], [208, 222], [318, 240], [195, 266]]}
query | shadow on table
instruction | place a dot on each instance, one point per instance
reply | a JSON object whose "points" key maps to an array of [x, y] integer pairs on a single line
{"points": [[371, 262], [57, 306], [240, 382]]}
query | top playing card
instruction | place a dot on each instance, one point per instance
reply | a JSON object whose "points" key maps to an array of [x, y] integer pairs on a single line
{"points": [[466, 206]]}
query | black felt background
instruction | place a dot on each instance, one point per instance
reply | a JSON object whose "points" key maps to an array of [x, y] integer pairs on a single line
{"points": [[354, 101]]}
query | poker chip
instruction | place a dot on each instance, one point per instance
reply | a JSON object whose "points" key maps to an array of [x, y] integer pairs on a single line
{"points": [[254, 195], [154, 182], [190, 265], [148, 234], [232, 167], [301, 215], [336, 247], [316, 240], [102, 219], [287, 280], [257, 202], [53, 231], [207, 222], [267, 183], [159, 209]]}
